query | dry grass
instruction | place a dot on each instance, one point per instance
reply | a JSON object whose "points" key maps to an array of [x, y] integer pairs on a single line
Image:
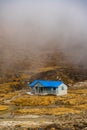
{"points": [[8, 96], [74, 102], [26, 100], [6, 87], [39, 70], [82, 107], [47, 111], [47, 69], [71, 99], [3, 107], [4, 97]]}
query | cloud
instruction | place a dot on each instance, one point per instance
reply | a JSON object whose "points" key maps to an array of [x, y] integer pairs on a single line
{"points": [[29, 27]]}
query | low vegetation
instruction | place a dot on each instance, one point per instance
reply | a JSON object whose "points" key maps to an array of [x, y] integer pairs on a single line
{"points": [[48, 111], [26, 100], [68, 110], [3, 108], [74, 102]]}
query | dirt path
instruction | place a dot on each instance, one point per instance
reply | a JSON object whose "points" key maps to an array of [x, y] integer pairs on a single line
{"points": [[41, 121], [32, 121], [14, 97]]}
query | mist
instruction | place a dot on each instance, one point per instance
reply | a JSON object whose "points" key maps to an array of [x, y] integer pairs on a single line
{"points": [[29, 28]]}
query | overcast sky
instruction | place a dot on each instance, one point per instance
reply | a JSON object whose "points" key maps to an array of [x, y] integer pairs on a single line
{"points": [[31, 25]]}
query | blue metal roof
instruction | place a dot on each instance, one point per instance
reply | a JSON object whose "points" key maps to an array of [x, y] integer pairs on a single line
{"points": [[46, 83]]}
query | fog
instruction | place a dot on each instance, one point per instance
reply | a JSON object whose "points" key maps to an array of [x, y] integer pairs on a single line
{"points": [[29, 28]]}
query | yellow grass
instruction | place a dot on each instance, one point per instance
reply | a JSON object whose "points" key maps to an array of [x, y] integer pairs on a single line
{"points": [[27, 100], [71, 99], [3, 107], [24, 76], [6, 87], [46, 69], [39, 70], [4, 97], [82, 107], [74, 102], [47, 111]]}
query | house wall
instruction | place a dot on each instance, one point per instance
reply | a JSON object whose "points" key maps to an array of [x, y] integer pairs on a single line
{"points": [[62, 90], [34, 90], [39, 89]]}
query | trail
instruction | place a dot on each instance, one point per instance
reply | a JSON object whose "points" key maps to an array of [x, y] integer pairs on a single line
{"points": [[17, 96]]}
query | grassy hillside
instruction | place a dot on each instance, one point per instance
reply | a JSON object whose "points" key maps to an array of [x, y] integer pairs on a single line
{"points": [[52, 65]]}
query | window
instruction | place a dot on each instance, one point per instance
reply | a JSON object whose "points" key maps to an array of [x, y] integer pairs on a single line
{"points": [[36, 87], [54, 88], [62, 88]]}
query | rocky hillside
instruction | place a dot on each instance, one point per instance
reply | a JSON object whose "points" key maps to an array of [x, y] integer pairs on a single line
{"points": [[69, 75], [54, 66]]}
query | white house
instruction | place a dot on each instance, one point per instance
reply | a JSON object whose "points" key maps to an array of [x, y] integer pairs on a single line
{"points": [[44, 87]]}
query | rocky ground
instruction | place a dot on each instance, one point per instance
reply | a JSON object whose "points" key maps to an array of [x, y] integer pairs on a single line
{"points": [[46, 122]]}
